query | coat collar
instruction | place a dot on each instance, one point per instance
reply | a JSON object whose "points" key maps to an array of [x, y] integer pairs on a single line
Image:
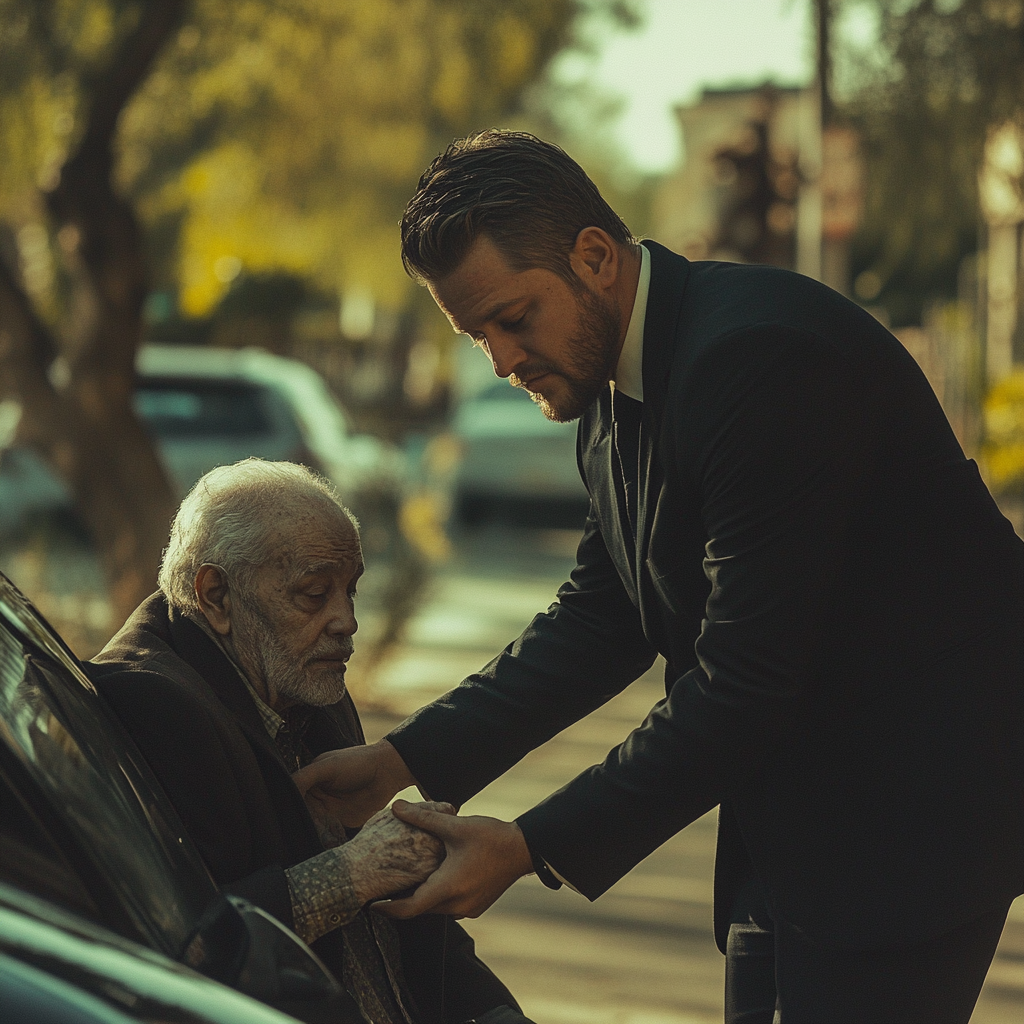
{"points": [[206, 657], [154, 631]]}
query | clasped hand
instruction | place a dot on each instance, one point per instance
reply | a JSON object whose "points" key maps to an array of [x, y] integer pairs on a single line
{"points": [[389, 856], [483, 856]]}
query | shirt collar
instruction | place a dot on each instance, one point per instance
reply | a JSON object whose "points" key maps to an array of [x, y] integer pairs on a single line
{"points": [[629, 373]]}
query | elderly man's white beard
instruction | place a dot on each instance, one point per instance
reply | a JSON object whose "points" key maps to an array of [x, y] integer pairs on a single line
{"points": [[257, 644]]}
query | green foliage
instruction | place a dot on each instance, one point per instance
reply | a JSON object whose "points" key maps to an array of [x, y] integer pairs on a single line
{"points": [[289, 134], [51, 51], [948, 72], [273, 135], [1003, 449]]}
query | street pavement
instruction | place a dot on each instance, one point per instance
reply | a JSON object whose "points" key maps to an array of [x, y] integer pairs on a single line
{"points": [[644, 952]]}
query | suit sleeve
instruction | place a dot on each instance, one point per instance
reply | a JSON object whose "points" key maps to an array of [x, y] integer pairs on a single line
{"points": [[773, 434], [587, 647]]}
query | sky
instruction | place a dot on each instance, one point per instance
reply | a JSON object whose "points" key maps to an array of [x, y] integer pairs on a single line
{"points": [[683, 46]]}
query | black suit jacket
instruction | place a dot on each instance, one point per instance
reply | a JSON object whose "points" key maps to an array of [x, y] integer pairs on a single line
{"points": [[839, 603], [193, 719]]}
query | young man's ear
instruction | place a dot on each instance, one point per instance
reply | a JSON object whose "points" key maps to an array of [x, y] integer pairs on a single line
{"points": [[595, 258], [214, 597]]}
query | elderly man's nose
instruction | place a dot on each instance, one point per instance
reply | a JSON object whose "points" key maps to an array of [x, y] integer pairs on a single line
{"points": [[343, 616]]}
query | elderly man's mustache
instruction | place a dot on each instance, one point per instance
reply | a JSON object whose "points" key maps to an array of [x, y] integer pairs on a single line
{"points": [[334, 649]]}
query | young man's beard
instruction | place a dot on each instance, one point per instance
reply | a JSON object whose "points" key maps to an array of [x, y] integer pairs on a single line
{"points": [[593, 351], [281, 671]]}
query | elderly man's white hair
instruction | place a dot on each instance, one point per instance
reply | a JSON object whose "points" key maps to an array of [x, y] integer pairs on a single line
{"points": [[225, 520]]}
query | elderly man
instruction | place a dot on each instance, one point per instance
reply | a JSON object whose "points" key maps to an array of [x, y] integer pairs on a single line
{"points": [[229, 679]]}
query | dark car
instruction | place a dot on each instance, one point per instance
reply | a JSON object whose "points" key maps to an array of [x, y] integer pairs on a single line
{"points": [[86, 831], [58, 968]]}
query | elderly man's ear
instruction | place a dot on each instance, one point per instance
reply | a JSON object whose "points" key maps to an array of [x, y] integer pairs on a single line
{"points": [[214, 597]]}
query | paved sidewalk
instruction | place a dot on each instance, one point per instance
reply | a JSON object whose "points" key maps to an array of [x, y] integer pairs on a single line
{"points": [[644, 952]]}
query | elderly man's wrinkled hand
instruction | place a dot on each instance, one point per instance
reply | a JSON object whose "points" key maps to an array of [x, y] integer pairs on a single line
{"points": [[389, 855]]}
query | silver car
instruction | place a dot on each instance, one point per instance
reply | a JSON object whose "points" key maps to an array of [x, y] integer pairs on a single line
{"points": [[513, 459]]}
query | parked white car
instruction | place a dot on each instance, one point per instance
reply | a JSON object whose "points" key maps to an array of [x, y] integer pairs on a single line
{"points": [[208, 407]]}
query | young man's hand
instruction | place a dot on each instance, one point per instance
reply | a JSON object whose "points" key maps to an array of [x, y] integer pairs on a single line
{"points": [[349, 786], [483, 857]]}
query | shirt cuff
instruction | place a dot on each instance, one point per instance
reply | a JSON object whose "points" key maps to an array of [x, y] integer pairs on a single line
{"points": [[322, 894], [559, 879]]}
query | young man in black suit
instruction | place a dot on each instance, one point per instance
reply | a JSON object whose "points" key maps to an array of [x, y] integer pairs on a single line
{"points": [[779, 508], [229, 679]]}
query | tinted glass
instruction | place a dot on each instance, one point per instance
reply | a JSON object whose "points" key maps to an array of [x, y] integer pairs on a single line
{"points": [[54, 723], [31, 859], [175, 408]]}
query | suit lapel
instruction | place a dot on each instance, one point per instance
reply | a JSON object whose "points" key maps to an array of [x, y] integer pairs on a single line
{"points": [[669, 274], [604, 480]]}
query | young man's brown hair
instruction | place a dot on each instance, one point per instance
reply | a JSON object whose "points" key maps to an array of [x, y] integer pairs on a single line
{"points": [[528, 196]]}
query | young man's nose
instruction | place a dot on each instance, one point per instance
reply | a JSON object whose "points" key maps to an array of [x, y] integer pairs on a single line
{"points": [[506, 356]]}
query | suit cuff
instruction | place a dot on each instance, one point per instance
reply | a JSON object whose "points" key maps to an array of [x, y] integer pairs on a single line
{"points": [[544, 871]]}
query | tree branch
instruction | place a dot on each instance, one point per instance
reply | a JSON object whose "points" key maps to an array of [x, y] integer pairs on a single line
{"points": [[111, 245]]}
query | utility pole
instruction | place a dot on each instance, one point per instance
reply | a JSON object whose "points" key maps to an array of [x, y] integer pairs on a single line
{"points": [[823, 12], [812, 113], [840, 183]]}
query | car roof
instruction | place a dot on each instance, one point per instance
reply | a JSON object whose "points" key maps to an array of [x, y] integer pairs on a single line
{"points": [[121, 972], [205, 361], [317, 411]]}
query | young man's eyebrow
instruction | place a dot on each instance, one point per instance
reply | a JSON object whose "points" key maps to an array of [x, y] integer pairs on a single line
{"points": [[489, 315]]}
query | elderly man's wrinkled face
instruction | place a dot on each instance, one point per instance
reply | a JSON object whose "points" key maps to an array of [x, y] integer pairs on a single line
{"points": [[293, 634]]}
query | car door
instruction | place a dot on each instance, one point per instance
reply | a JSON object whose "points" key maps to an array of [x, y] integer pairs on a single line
{"points": [[84, 823]]}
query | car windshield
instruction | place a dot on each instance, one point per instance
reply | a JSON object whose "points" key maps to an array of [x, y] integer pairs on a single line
{"points": [[79, 761], [180, 408]]}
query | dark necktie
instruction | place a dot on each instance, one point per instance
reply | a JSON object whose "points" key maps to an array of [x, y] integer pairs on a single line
{"points": [[626, 413]]}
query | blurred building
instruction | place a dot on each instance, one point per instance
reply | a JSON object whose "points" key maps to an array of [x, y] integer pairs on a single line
{"points": [[736, 194], [763, 182]]}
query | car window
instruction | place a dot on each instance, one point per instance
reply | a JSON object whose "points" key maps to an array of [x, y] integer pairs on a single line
{"points": [[32, 859], [177, 408], [73, 756]]}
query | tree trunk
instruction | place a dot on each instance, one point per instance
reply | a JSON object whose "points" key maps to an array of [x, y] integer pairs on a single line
{"points": [[86, 429]]}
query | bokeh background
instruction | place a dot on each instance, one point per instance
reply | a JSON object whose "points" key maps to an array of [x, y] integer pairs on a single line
{"points": [[199, 261]]}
